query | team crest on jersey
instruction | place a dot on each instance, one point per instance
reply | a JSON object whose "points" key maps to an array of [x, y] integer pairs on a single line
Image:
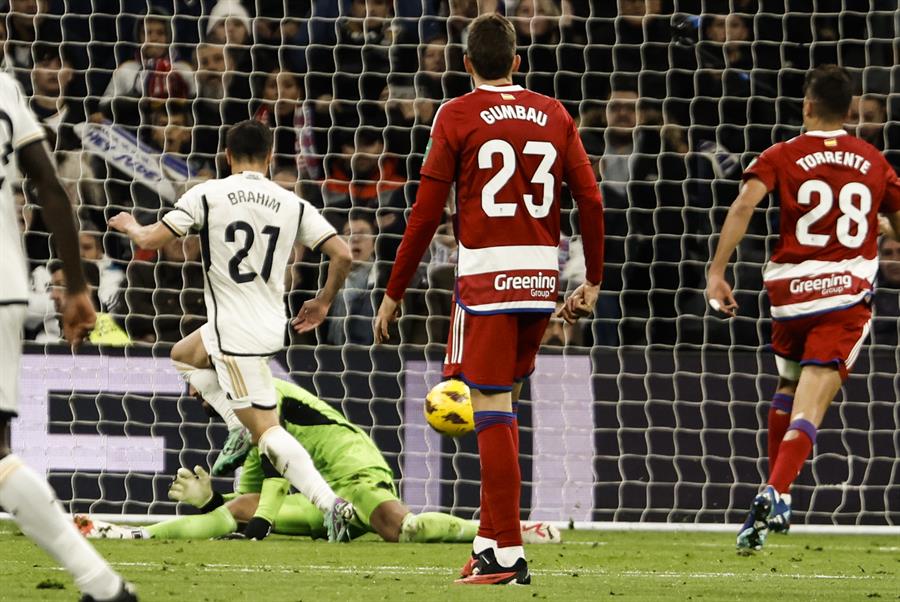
{"points": [[831, 142]]}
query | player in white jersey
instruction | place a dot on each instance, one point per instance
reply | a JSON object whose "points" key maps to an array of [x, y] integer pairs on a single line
{"points": [[23, 493], [248, 226]]}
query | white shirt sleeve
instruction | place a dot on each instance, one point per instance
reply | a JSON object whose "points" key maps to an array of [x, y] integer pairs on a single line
{"points": [[25, 126], [188, 213], [314, 229]]}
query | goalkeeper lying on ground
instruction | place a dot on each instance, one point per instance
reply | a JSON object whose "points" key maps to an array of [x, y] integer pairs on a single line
{"points": [[347, 459]]}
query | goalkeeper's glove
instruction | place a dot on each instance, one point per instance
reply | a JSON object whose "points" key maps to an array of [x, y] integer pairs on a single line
{"points": [[192, 488]]}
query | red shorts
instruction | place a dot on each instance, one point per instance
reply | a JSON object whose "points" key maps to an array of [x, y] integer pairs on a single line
{"points": [[492, 352], [833, 338]]}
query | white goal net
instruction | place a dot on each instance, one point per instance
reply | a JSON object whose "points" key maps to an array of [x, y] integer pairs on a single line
{"points": [[652, 412]]}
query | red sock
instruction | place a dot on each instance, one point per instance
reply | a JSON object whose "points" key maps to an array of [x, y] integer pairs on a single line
{"points": [[500, 480], [792, 454], [778, 424], [485, 524]]}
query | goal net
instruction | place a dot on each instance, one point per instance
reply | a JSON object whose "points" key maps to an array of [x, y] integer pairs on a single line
{"points": [[653, 411]]}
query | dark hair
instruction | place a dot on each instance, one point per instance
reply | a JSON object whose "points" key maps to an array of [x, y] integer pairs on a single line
{"points": [[249, 139], [491, 46], [831, 89], [154, 14]]}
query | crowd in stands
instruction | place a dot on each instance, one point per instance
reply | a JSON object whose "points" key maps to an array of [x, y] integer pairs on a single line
{"points": [[673, 100]]}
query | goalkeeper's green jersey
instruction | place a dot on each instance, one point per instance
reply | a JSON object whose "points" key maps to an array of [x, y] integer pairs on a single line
{"points": [[338, 447]]}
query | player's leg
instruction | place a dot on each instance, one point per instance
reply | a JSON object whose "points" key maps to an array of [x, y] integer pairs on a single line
{"points": [[248, 382], [28, 497], [482, 351], [831, 345], [816, 390], [788, 342], [190, 356]]}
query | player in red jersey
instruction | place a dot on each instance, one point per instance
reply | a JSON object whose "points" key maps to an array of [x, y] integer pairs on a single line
{"points": [[831, 187], [507, 150]]}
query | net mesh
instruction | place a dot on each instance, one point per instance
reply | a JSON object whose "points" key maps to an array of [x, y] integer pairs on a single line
{"points": [[651, 411]]}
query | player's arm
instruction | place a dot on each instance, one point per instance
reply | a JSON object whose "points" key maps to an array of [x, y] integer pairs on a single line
{"points": [[718, 291], [340, 261], [78, 316], [427, 214], [151, 237], [584, 189]]}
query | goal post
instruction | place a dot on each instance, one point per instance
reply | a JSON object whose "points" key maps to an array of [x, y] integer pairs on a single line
{"points": [[649, 415]]}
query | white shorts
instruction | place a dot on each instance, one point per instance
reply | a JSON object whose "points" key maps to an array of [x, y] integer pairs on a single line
{"points": [[12, 317], [246, 379]]}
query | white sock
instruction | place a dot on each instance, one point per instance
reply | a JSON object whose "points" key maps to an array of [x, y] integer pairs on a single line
{"points": [[480, 544], [206, 381], [508, 556], [293, 462], [34, 508], [786, 498]]}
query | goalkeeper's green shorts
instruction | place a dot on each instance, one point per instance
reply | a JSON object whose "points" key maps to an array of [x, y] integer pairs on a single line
{"points": [[366, 490]]}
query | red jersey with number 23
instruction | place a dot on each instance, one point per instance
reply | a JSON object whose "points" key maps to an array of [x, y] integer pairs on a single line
{"points": [[508, 150], [831, 186]]}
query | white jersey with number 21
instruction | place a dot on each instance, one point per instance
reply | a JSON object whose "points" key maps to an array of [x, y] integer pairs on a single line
{"points": [[248, 226]]}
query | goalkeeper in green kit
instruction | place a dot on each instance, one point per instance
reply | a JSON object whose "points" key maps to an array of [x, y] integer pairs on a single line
{"points": [[350, 463]]}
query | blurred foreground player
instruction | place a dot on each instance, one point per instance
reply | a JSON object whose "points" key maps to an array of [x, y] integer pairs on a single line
{"points": [[831, 187], [349, 461], [248, 227], [508, 151], [23, 493]]}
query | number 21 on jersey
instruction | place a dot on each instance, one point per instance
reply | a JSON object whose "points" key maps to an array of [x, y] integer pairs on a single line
{"points": [[851, 213], [495, 208]]}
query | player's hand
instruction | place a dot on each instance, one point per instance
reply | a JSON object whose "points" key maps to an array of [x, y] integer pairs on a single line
{"points": [[122, 222], [311, 315], [78, 317], [388, 311], [719, 295], [580, 303], [192, 488]]}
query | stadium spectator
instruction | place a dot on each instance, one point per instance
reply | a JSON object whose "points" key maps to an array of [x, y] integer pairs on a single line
{"points": [[106, 331], [363, 176], [229, 24], [364, 36], [621, 119], [352, 310], [151, 74], [280, 106], [868, 114], [56, 111], [886, 310], [26, 24], [283, 29], [223, 97], [109, 275], [432, 65], [162, 300], [537, 33]]}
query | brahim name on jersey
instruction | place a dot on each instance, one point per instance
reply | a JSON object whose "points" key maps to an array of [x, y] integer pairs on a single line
{"points": [[249, 196]]}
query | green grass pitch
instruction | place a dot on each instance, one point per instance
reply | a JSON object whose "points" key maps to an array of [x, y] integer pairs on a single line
{"points": [[590, 565]]}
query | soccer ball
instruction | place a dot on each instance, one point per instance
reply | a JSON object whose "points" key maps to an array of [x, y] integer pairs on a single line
{"points": [[448, 408]]}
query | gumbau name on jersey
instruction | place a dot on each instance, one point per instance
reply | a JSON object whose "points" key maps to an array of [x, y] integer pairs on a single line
{"points": [[847, 159], [248, 196], [834, 284], [499, 112], [540, 285]]}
